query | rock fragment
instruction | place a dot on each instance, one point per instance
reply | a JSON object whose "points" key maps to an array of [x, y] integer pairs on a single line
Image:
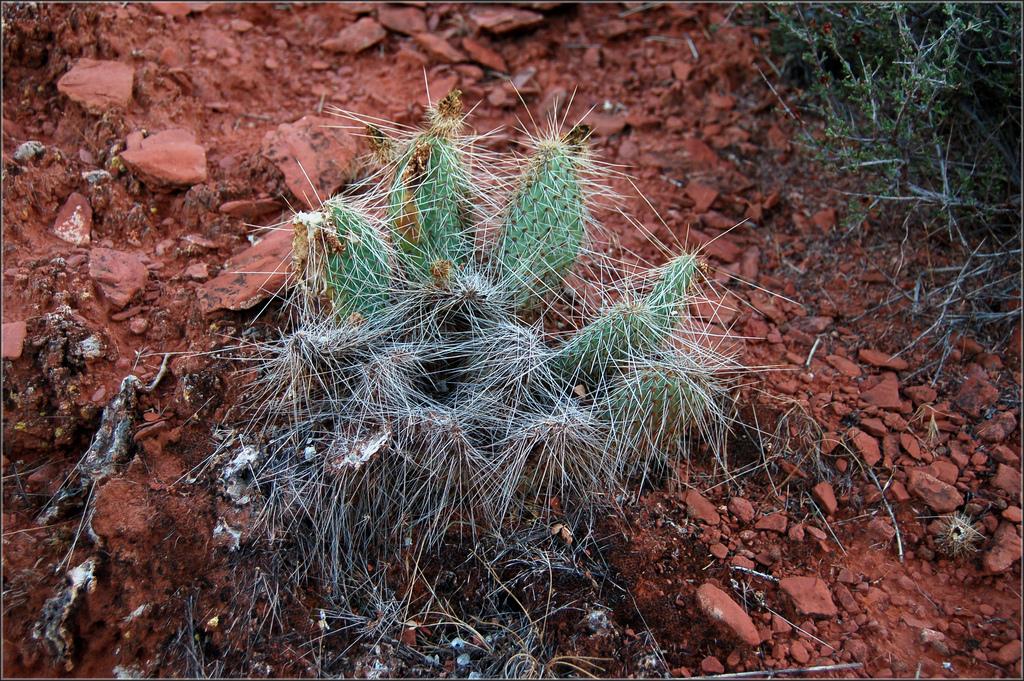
{"points": [[810, 595], [120, 276], [940, 497], [74, 220], [98, 85], [886, 394], [700, 508], [13, 341], [402, 19], [356, 37], [251, 276], [719, 607], [1006, 549], [314, 155], [171, 158], [502, 20]]}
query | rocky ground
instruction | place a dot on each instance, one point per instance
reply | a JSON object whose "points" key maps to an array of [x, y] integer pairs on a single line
{"points": [[145, 145]]}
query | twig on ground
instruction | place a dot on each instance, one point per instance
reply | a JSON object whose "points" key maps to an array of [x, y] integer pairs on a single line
{"points": [[810, 355], [740, 568], [895, 525], [159, 374], [769, 673]]}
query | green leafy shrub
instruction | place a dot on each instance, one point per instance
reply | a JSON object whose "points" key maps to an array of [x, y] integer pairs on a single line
{"points": [[921, 104], [922, 98]]}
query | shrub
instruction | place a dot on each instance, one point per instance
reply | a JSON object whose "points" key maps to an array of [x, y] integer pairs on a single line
{"points": [[921, 103]]}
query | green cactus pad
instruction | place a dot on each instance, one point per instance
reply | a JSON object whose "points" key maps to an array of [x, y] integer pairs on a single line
{"points": [[655, 403], [429, 202], [672, 288], [544, 223], [358, 268], [623, 332]]}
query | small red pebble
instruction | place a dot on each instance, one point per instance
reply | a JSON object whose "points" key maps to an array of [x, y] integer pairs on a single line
{"points": [[711, 665]]}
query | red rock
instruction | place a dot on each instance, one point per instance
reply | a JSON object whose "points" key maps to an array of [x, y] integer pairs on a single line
{"points": [[1008, 653], [976, 392], [911, 446], [1006, 549], [13, 339], [885, 395], [720, 608], [998, 428], [798, 651], [197, 272], [711, 665], [880, 530], [810, 595], [120, 276], [1008, 480], [722, 248], [749, 263], [946, 471], [606, 125], [1013, 514], [700, 153], [681, 70], [703, 196], [249, 209], [846, 599], [721, 102], [501, 20], [402, 19], [742, 509], [240, 25], [98, 85], [484, 55], [74, 220], [825, 219], [921, 394], [439, 48], [167, 159], [316, 148], [356, 37], [700, 508], [251, 276], [874, 427], [882, 360], [826, 497], [776, 522], [866, 446], [859, 651], [719, 550], [843, 366], [940, 497], [179, 9]]}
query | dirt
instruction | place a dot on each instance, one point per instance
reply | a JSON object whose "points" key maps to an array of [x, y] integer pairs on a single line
{"points": [[104, 274]]}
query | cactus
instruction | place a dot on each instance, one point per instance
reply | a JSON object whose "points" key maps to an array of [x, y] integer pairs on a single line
{"points": [[429, 202], [426, 395], [358, 266], [543, 226]]}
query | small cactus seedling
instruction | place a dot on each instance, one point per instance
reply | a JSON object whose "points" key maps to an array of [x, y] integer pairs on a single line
{"points": [[958, 537], [420, 391]]}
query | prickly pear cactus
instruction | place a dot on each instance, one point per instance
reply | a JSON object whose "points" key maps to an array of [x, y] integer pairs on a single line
{"points": [[420, 391]]}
